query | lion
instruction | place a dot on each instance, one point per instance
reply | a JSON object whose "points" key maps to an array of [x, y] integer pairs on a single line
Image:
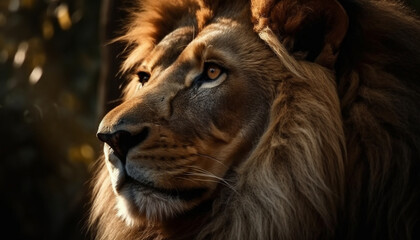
{"points": [[264, 119]]}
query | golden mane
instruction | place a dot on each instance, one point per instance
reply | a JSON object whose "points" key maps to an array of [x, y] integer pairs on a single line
{"points": [[340, 157]]}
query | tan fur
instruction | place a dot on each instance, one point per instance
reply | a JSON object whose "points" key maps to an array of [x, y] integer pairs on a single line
{"points": [[304, 150]]}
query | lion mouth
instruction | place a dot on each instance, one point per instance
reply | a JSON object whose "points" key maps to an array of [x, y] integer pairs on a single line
{"points": [[177, 193]]}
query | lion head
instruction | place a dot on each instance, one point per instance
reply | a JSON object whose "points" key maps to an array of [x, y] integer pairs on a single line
{"points": [[231, 125]]}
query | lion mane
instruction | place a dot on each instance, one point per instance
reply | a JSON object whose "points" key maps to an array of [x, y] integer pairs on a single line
{"points": [[340, 155]]}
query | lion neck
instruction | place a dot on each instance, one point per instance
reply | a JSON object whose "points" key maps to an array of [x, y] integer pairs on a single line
{"points": [[187, 225]]}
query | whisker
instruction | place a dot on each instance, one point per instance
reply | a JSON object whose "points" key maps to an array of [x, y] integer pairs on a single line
{"points": [[194, 180], [204, 173], [224, 183], [212, 158], [160, 198], [196, 95]]}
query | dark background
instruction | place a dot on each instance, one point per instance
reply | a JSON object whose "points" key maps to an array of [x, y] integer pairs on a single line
{"points": [[54, 69]]}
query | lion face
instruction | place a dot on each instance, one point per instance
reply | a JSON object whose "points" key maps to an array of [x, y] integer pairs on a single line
{"points": [[194, 109]]}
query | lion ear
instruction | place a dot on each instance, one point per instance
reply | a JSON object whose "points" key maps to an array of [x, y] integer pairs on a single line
{"points": [[309, 29]]}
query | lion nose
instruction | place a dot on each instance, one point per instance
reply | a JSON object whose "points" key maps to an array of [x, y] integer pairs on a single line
{"points": [[122, 141]]}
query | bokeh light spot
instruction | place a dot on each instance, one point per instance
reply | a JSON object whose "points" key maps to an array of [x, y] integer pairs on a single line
{"points": [[27, 3], [14, 5], [73, 154], [47, 29], [77, 16], [20, 54], [36, 74], [87, 152], [63, 16], [83, 153]]}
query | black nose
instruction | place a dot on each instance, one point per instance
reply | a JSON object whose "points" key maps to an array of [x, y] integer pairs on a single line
{"points": [[121, 141]]}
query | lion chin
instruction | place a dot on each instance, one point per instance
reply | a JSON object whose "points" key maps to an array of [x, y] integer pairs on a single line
{"points": [[138, 198], [264, 120]]}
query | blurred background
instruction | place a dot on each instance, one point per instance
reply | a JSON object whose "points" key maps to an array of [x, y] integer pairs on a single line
{"points": [[57, 78]]}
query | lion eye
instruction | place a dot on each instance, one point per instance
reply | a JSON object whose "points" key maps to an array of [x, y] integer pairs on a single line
{"points": [[143, 77], [212, 71], [213, 75]]}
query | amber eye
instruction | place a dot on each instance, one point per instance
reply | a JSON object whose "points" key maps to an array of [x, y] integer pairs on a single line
{"points": [[212, 71], [143, 77]]}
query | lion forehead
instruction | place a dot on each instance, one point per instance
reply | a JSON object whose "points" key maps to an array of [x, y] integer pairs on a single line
{"points": [[167, 50]]}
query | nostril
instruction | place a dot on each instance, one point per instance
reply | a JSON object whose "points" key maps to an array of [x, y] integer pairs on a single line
{"points": [[104, 137], [122, 141], [117, 141]]}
